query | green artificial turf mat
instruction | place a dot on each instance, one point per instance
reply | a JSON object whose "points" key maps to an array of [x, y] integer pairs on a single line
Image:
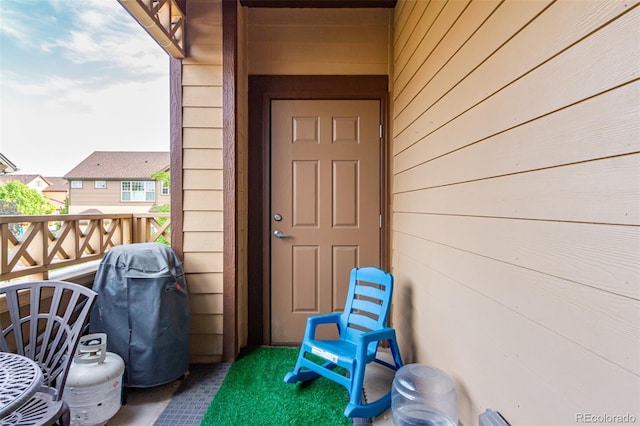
{"points": [[254, 393]]}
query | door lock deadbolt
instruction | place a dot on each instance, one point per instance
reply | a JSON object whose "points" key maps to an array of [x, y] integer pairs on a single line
{"points": [[277, 217]]}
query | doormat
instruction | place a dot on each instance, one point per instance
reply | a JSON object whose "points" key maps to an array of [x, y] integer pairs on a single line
{"points": [[254, 393]]}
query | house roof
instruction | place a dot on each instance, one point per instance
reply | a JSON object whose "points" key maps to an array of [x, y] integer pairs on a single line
{"points": [[91, 211], [56, 184], [6, 166], [120, 164], [26, 179]]}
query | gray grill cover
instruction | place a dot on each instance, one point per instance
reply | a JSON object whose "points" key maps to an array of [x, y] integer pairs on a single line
{"points": [[143, 307]]}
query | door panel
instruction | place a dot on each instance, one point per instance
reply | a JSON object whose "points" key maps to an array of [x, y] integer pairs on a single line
{"points": [[325, 189]]}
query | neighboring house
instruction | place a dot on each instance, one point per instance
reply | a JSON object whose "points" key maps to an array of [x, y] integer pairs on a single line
{"points": [[53, 188], [117, 182], [6, 166], [37, 182], [509, 200], [56, 192]]}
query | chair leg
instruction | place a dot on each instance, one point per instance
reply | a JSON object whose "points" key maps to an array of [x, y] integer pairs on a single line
{"points": [[298, 375], [65, 415], [369, 410], [395, 352], [357, 407]]}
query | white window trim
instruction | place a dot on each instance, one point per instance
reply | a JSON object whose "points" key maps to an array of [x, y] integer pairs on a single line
{"points": [[149, 188], [164, 189], [96, 186], [75, 184]]}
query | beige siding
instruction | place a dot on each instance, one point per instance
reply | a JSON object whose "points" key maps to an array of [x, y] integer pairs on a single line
{"points": [[202, 176], [107, 200], [516, 197], [318, 41], [89, 196]]}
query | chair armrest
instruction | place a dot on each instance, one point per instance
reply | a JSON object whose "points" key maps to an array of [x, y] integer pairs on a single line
{"points": [[374, 336], [315, 321], [377, 335]]}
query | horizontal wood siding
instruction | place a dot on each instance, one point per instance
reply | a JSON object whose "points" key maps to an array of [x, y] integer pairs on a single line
{"points": [[107, 200], [202, 176], [88, 196], [516, 200], [318, 41]]}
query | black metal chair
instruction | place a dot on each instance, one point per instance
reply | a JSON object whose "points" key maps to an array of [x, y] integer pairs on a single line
{"points": [[45, 322]]}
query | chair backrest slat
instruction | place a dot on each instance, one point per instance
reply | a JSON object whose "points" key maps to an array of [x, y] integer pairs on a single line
{"points": [[52, 353], [14, 326], [367, 303], [363, 321], [371, 292], [367, 306], [49, 320]]}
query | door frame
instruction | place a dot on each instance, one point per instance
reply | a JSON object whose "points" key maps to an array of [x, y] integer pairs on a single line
{"points": [[262, 90]]}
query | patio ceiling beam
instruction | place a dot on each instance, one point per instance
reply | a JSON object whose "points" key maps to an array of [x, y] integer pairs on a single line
{"points": [[163, 20]]}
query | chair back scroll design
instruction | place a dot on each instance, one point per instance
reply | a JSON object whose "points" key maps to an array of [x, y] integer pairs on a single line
{"points": [[362, 326], [44, 323]]}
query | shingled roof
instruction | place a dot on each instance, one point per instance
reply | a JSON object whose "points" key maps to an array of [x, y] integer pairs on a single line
{"points": [[25, 179], [119, 165], [56, 184]]}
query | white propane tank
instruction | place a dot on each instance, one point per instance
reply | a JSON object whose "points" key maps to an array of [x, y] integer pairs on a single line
{"points": [[93, 389]]}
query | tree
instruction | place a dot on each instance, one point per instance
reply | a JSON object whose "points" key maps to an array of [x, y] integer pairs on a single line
{"points": [[25, 200], [162, 176], [8, 208], [165, 178]]}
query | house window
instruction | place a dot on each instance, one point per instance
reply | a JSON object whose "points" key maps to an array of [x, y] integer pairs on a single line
{"points": [[76, 184], [100, 184], [165, 188], [138, 191]]}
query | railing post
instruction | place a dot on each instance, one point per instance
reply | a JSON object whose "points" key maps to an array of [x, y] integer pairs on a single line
{"points": [[136, 230], [4, 246], [126, 232]]}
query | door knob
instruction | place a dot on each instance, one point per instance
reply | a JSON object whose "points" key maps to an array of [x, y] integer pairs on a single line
{"points": [[279, 234]]}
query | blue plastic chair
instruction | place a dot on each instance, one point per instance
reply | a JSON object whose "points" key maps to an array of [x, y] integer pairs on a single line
{"points": [[361, 327]]}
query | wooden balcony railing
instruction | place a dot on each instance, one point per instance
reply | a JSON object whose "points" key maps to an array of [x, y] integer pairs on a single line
{"points": [[37, 245]]}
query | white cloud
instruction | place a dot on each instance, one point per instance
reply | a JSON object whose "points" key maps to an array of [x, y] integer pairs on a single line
{"points": [[82, 47], [102, 32], [93, 18], [50, 87], [11, 24]]}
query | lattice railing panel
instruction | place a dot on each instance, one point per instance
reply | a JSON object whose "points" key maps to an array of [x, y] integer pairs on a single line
{"points": [[35, 245]]}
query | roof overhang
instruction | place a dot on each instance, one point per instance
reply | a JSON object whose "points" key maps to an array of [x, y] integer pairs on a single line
{"points": [[6, 166], [163, 20]]}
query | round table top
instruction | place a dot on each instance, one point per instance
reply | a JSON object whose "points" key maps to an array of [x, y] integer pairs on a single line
{"points": [[20, 378]]}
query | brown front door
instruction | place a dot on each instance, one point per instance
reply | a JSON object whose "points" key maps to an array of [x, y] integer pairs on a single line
{"points": [[325, 206]]}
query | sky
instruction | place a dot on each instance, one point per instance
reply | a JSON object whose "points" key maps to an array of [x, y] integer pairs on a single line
{"points": [[78, 76]]}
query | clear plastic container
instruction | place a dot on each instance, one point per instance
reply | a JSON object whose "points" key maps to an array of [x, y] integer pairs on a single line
{"points": [[423, 395]]}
